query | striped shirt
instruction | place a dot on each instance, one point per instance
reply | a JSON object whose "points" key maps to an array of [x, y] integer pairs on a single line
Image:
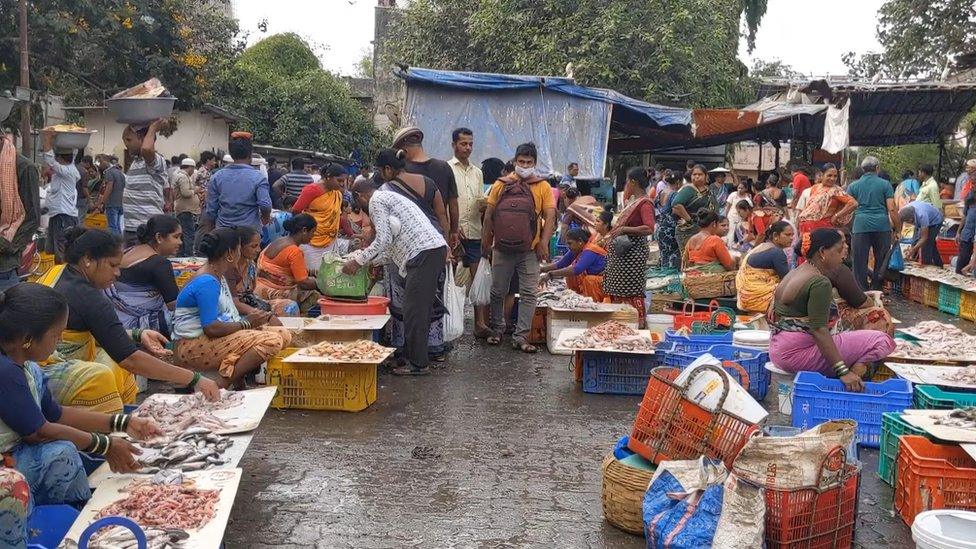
{"points": [[296, 181], [143, 195]]}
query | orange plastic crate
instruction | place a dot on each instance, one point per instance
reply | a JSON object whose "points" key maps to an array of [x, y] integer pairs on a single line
{"points": [[907, 281], [930, 296], [670, 427], [933, 476], [813, 518], [917, 291], [967, 306], [537, 334]]}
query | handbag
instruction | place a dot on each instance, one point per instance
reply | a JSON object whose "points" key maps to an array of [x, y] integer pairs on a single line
{"points": [[622, 244], [251, 300]]}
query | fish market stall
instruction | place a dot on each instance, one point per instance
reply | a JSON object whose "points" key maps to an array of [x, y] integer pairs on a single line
{"points": [[336, 327], [563, 318]]}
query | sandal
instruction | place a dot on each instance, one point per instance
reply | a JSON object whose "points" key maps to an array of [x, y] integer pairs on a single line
{"points": [[493, 340], [409, 370], [526, 348]]}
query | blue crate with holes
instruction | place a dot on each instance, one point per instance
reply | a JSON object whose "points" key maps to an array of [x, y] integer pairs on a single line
{"points": [[752, 361], [607, 372], [817, 399], [697, 342], [48, 524]]}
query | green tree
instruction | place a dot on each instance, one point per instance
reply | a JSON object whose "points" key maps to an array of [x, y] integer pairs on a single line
{"points": [[291, 101], [364, 67], [919, 38], [667, 51], [773, 68], [89, 49]]}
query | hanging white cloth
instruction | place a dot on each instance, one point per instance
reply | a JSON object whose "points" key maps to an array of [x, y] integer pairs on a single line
{"points": [[836, 128]]}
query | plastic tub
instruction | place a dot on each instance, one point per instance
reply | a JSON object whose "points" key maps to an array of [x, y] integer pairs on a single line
{"points": [[375, 305], [658, 323], [783, 382], [945, 529]]}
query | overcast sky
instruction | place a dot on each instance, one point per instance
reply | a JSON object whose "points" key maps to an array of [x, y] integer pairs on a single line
{"points": [[811, 37]]}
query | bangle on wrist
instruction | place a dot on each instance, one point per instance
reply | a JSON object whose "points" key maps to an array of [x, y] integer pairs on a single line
{"points": [[120, 422], [195, 380], [99, 444], [137, 335]]}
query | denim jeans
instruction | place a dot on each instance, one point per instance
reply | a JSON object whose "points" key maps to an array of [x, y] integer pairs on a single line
{"points": [[188, 220], [8, 279], [114, 216]]}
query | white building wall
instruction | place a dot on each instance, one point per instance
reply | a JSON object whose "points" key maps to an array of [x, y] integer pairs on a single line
{"points": [[197, 132]]}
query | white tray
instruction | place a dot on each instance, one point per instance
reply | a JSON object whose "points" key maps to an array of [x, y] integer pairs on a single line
{"points": [[927, 374], [348, 322], [299, 358], [925, 419], [573, 332], [243, 418]]}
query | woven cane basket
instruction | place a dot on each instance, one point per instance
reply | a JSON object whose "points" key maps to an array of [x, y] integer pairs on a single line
{"points": [[623, 495], [708, 285]]}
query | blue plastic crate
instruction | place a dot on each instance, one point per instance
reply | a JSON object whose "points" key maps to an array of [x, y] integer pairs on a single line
{"points": [[752, 361], [47, 524], [697, 342], [817, 399], [612, 373]]}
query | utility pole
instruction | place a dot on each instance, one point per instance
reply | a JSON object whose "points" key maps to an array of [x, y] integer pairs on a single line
{"points": [[25, 127]]}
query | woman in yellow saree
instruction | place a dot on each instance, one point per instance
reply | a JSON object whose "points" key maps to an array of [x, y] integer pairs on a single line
{"points": [[323, 201], [96, 358], [762, 269]]}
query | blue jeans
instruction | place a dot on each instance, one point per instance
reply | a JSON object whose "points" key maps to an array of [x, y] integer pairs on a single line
{"points": [[114, 216], [8, 279]]}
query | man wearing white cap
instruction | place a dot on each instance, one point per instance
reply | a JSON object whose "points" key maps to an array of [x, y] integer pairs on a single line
{"points": [[964, 183], [186, 203], [411, 140]]}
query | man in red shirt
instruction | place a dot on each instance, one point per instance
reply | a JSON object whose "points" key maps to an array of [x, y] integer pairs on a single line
{"points": [[801, 182]]}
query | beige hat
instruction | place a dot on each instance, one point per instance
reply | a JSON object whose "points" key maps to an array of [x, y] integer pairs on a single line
{"points": [[971, 162], [188, 163], [406, 132]]}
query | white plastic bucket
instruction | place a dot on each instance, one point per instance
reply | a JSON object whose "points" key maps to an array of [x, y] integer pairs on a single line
{"points": [[945, 529], [706, 390], [658, 323], [783, 382]]}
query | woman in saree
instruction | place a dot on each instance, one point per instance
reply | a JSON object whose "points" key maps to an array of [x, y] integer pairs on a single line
{"points": [[688, 202], [39, 438], [209, 331], [827, 207], [666, 237], [857, 309], [763, 268], [97, 359], [145, 292], [242, 280], [582, 267], [624, 278], [804, 337], [706, 251], [282, 273], [323, 201]]}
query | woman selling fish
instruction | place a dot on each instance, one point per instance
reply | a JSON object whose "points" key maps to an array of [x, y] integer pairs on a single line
{"points": [[209, 332], [96, 357], [39, 437], [242, 280], [802, 335], [281, 269], [582, 266], [146, 290], [688, 202]]}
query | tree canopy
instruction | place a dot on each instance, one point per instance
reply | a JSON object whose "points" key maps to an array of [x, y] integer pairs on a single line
{"points": [[89, 49], [291, 101], [667, 51]]}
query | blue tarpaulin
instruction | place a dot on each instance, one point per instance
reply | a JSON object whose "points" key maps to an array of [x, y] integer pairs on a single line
{"points": [[568, 123]]}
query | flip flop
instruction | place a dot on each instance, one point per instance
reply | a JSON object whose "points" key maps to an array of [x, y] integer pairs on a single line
{"points": [[526, 348]]}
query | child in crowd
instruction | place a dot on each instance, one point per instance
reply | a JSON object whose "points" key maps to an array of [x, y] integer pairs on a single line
{"points": [[276, 229]]}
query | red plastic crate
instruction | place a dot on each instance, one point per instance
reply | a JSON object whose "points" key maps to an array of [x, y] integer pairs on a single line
{"points": [[933, 476], [814, 518], [669, 427], [947, 248]]}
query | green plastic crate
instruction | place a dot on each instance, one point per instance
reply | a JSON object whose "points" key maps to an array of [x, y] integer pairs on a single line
{"points": [[949, 299], [931, 397], [892, 427]]}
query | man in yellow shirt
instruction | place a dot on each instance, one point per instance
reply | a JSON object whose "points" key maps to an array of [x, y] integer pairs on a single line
{"points": [[518, 223], [930, 187], [471, 205]]}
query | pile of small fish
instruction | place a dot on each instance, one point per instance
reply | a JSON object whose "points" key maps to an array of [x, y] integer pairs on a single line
{"points": [[963, 418], [611, 336], [166, 506], [194, 449], [566, 299], [358, 351], [965, 375], [189, 411], [118, 537], [941, 342]]}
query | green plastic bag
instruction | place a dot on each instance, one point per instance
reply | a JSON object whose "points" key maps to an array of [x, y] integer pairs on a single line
{"points": [[332, 282]]}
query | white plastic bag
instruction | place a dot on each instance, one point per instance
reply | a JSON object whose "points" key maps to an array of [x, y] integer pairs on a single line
{"points": [[454, 303], [481, 287]]}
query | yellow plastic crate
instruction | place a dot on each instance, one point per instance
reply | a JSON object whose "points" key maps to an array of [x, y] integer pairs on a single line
{"points": [[345, 387], [967, 306], [183, 278], [43, 262], [931, 295], [882, 373], [96, 221]]}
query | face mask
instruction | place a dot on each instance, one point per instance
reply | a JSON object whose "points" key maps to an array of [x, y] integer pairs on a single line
{"points": [[524, 173]]}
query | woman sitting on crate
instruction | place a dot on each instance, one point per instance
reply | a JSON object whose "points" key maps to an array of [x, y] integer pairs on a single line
{"points": [[857, 309], [209, 331], [39, 438], [583, 266], [803, 337], [242, 279], [96, 357], [706, 252], [762, 269], [281, 269], [145, 292]]}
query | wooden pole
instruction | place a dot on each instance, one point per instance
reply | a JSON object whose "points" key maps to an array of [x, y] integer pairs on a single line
{"points": [[25, 125]]}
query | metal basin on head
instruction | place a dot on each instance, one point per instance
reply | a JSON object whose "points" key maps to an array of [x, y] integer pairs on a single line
{"points": [[140, 110]]}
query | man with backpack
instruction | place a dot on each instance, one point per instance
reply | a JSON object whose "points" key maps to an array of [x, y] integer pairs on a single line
{"points": [[518, 224]]}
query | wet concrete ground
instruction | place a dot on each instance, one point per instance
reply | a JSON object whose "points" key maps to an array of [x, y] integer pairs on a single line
{"points": [[499, 449]]}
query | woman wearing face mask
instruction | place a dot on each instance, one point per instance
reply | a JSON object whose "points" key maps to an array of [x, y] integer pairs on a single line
{"points": [[804, 334], [323, 201], [209, 331], [100, 356], [145, 293]]}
